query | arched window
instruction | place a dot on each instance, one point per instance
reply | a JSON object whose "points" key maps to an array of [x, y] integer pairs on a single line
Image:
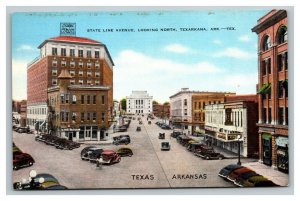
{"points": [[282, 35], [266, 43]]}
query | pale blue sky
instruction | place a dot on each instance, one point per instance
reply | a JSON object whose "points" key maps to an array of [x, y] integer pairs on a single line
{"points": [[159, 62]]}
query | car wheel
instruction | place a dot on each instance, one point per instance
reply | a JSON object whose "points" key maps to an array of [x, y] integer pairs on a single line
{"points": [[130, 155], [207, 157], [119, 159]]}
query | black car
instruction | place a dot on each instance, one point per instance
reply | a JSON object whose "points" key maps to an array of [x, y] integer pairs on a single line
{"points": [[138, 128], [243, 177], [176, 133], [224, 172], [121, 140], [161, 136], [165, 146], [165, 127], [192, 147], [22, 160], [125, 152], [209, 154], [92, 154]]}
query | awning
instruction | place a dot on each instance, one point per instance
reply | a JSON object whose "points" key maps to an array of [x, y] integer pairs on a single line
{"points": [[282, 141], [265, 88], [266, 136]]}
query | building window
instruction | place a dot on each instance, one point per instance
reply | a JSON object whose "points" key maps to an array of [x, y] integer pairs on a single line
{"points": [[102, 99], [97, 74], [80, 73], [54, 51], [269, 66], [88, 116], [67, 98], [54, 63], [185, 102], [62, 116], [80, 53], [97, 54], [185, 112], [72, 64], [266, 43], [54, 72], [269, 115], [241, 119], [67, 116], [281, 89], [63, 52], [80, 64], [286, 60], [54, 81], [80, 81], [97, 66], [280, 62], [88, 53], [63, 63], [264, 115], [228, 120], [82, 99], [263, 67], [97, 82], [89, 74], [94, 99], [282, 35], [94, 116], [281, 116], [89, 82], [72, 72], [62, 98], [103, 116], [74, 116], [89, 65], [88, 99], [72, 53], [82, 116], [74, 99]]}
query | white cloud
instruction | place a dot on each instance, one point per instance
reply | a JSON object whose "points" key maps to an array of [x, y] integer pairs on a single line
{"points": [[19, 79], [176, 48], [244, 38], [234, 52], [26, 48], [217, 42]]}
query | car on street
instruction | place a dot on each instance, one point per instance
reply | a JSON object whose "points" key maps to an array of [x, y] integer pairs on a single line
{"points": [[244, 176], [91, 154], [125, 152], [176, 133], [165, 146], [165, 127], [235, 173], [161, 136], [110, 157], [121, 129], [225, 171], [138, 128], [22, 160], [208, 153], [121, 140], [183, 139], [149, 122], [253, 181], [194, 146]]}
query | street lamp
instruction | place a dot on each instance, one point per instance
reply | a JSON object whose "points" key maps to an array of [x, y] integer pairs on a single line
{"points": [[29, 184], [239, 150]]}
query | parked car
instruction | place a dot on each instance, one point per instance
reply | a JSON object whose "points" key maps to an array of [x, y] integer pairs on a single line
{"points": [[110, 157], [125, 152], [225, 171], [149, 122], [208, 153], [121, 129], [91, 154], [86, 149], [176, 133], [121, 140], [194, 146], [140, 122], [235, 173], [161, 136], [165, 127], [165, 146], [244, 176], [138, 128], [253, 181], [23, 130], [22, 160], [183, 139]]}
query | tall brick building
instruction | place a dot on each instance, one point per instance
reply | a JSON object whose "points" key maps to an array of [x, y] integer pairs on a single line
{"points": [[87, 61], [273, 89]]}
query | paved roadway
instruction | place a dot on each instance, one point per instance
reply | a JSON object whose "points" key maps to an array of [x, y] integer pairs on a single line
{"points": [[159, 169]]}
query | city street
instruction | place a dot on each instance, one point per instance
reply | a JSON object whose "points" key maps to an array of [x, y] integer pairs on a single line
{"points": [[149, 167]]}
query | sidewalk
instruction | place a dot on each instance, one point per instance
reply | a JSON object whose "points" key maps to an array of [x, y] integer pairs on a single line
{"points": [[269, 172]]}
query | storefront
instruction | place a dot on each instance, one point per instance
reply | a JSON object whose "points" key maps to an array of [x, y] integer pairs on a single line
{"points": [[267, 148], [282, 154]]}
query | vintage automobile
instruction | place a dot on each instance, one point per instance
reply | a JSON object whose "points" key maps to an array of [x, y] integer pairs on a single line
{"points": [[253, 181], [140, 122], [121, 140], [121, 129], [149, 122], [265, 183], [22, 160], [110, 157], [138, 128], [235, 173], [86, 149], [208, 153], [165, 127], [225, 171], [244, 176], [176, 133], [165, 146], [183, 139], [161, 136], [125, 152], [91, 154], [192, 147]]}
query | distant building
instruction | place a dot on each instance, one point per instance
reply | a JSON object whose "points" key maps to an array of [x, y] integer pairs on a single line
{"points": [[273, 109], [23, 113], [187, 108], [161, 110], [232, 121], [139, 102]]}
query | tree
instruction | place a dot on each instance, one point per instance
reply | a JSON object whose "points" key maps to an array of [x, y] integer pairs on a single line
{"points": [[123, 104], [166, 103], [154, 102]]}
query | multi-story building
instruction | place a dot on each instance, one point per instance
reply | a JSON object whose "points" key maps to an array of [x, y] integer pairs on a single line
{"points": [[139, 102], [77, 112], [187, 108], [88, 62], [23, 113], [273, 88], [232, 124], [161, 110]]}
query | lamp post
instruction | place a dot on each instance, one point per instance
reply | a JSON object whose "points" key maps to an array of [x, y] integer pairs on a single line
{"points": [[239, 150]]}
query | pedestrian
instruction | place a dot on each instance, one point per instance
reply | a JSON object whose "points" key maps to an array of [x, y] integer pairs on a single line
{"points": [[99, 163]]}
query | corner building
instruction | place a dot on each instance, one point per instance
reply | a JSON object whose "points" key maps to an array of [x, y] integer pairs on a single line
{"points": [[89, 65], [273, 89]]}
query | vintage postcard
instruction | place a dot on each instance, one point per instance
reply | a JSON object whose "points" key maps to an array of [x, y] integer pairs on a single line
{"points": [[150, 99]]}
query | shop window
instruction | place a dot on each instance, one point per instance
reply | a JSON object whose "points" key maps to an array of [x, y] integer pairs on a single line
{"points": [[81, 132]]}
